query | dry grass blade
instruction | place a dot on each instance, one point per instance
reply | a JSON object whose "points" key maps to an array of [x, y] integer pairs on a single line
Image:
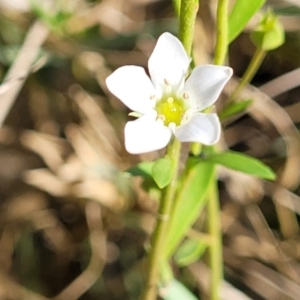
{"points": [[46, 181], [282, 84], [270, 284], [227, 291], [50, 148], [268, 240], [103, 130], [286, 198], [19, 71]]}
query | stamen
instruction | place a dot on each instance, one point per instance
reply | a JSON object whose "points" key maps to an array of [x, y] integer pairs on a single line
{"points": [[186, 95], [170, 110], [170, 100], [166, 82], [161, 117], [152, 97]]}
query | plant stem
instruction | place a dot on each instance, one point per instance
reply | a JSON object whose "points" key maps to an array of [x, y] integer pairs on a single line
{"points": [[188, 13], [159, 234], [214, 225], [214, 222], [176, 5], [254, 65], [222, 32], [187, 18]]}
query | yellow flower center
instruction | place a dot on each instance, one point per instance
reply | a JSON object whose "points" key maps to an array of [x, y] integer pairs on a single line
{"points": [[170, 110]]}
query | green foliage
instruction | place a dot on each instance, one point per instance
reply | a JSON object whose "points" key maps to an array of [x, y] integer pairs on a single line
{"points": [[162, 171], [190, 251], [243, 163], [190, 201], [234, 108], [175, 290], [143, 169], [288, 10], [55, 20], [240, 15], [159, 171], [269, 33]]}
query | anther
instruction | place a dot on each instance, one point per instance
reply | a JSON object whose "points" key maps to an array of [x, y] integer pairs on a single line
{"points": [[161, 117], [152, 97], [186, 95], [166, 82]]}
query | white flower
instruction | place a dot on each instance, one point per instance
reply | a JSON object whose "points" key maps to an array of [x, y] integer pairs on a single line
{"points": [[166, 103]]}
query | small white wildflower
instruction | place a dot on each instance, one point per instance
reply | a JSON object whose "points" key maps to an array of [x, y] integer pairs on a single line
{"points": [[167, 103]]}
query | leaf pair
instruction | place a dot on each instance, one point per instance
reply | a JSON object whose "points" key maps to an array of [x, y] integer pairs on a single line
{"points": [[191, 196]]}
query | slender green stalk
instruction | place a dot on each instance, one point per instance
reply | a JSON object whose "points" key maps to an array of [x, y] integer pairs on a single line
{"points": [[187, 18], [214, 226], [254, 65], [214, 222], [222, 32], [188, 13], [176, 5], [159, 234]]}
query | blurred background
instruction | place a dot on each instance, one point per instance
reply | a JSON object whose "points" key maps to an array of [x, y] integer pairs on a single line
{"points": [[72, 224]]}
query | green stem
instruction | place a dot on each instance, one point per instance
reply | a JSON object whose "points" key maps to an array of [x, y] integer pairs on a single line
{"points": [[188, 13], [214, 225], [176, 5], [254, 65], [159, 233], [187, 18], [222, 32], [214, 222]]}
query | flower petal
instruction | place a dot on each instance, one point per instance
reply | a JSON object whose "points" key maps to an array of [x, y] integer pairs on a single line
{"points": [[145, 135], [133, 87], [205, 85], [168, 62], [202, 128]]}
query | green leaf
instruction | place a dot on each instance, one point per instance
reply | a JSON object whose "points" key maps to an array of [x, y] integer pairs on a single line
{"points": [[143, 169], [175, 290], [162, 171], [243, 163], [240, 15], [234, 108], [289, 10], [190, 251], [55, 20], [189, 203]]}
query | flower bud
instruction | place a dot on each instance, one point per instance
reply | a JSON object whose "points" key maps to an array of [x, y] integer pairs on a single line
{"points": [[269, 33]]}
